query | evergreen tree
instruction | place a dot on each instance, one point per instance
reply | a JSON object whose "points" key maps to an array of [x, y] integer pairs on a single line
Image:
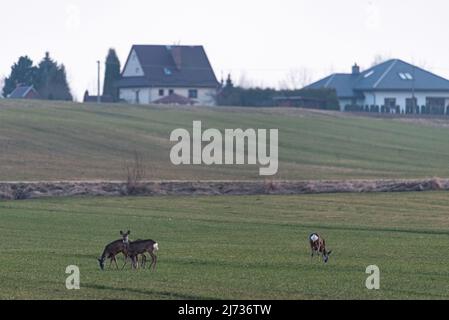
{"points": [[229, 83], [51, 81], [112, 74], [22, 73]]}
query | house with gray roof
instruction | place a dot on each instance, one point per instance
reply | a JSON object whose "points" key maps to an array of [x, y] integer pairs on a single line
{"points": [[24, 92], [153, 73], [393, 86]]}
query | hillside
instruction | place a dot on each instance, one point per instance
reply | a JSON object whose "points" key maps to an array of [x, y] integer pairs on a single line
{"points": [[67, 141]]}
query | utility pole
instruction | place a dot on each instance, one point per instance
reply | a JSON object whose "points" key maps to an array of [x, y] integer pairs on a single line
{"points": [[99, 90], [413, 91]]}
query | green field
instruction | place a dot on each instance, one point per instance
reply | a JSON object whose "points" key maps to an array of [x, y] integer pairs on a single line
{"points": [[67, 141], [230, 247]]}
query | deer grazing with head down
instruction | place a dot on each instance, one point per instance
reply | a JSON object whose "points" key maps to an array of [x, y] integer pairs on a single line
{"points": [[114, 248], [318, 246]]}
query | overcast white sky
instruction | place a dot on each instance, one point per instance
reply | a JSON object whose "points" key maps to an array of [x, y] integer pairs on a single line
{"points": [[262, 39]]}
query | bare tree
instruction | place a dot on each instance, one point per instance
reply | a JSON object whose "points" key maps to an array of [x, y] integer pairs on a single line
{"points": [[296, 78], [379, 58], [135, 174], [243, 81]]}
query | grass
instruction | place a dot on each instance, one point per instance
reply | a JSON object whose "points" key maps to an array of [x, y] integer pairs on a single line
{"points": [[67, 141], [230, 247]]}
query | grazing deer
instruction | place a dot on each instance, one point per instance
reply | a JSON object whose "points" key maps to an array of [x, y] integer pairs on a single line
{"points": [[140, 247], [318, 246], [114, 248]]}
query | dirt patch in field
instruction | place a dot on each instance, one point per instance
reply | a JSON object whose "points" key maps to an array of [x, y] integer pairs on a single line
{"points": [[35, 190]]}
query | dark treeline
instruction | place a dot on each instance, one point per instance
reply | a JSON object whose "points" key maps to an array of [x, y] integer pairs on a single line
{"points": [[48, 78], [231, 95]]}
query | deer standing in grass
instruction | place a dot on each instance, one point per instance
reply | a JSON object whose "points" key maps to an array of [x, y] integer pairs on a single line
{"points": [[140, 247], [114, 248], [318, 246]]}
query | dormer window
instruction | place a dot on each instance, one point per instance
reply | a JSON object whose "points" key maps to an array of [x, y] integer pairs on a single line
{"points": [[167, 72], [369, 74], [405, 76]]}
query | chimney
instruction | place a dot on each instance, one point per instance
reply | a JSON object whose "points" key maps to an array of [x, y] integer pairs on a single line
{"points": [[177, 57], [355, 69]]}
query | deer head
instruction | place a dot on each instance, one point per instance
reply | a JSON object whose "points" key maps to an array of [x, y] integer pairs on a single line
{"points": [[101, 262], [125, 236], [326, 256]]}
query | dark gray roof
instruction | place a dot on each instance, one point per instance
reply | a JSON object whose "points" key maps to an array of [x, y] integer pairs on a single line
{"points": [[160, 68], [342, 83], [20, 92], [390, 75]]}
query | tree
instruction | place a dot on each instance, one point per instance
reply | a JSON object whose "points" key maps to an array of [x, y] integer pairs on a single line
{"points": [[296, 79], [51, 81], [378, 59], [112, 74], [22, 73], [229, 83]]}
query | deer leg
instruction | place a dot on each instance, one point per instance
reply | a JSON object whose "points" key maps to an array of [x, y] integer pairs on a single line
{"points": [[135, 262], [126, 262], [115, 261], [144, 261], [154, 260]]}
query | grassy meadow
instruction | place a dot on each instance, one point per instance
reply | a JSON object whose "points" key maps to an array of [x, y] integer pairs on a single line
{"points": [[247, 247], [68, 141], [230, 247]]}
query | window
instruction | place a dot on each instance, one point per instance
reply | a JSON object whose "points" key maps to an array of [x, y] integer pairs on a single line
{"points": [[161, 92], [435, 105], [411, 105], [137, 70], [171, 91], [390, 102], [167, 72], [137, 96], [405, 76], [369, 74], [193, 94]]}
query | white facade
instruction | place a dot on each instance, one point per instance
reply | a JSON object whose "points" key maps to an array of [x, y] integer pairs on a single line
{"points": [[133, 68], [206, 96], [377, 98]]}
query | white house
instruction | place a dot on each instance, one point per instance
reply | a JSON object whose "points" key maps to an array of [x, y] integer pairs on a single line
{"points": [[168, 75], [393, 86]]}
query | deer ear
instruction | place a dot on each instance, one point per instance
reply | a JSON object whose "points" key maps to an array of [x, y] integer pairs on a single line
{"points": [[129, 232]]}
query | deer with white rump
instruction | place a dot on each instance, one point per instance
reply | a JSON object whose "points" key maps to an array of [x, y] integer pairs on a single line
{"points": [[140, 247], [318, 246]]}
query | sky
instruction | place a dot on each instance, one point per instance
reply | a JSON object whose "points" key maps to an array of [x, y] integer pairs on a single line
{"points": [[260, 42]]}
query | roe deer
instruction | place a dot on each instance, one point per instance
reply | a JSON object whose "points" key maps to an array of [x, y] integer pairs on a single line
{"points": [[318, 246], [114, 248], [140, 247]]}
